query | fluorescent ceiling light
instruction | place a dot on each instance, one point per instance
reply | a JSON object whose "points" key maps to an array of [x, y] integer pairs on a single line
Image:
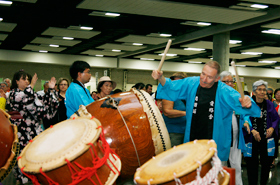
{"points": [[86, 28], [272, 31], [99, 55], [54, 45], [116, 50], [68, 38], [6, 2], [43, 51], [194, 49], [194, 62], [276, 67], [137, 44], [259, 6], [267, 61], [204, 23], [240, 65], [147, 59], [251, 53], [168, 54], [112, 14], [165, 35], [234, 41]]}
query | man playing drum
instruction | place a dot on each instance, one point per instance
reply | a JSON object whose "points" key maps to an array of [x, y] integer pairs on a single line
{"points": [[209, 107], [77, 94]]}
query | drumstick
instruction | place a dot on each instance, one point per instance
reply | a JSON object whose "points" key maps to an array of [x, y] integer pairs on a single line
{"points": [[164, 54], [237, 80]]}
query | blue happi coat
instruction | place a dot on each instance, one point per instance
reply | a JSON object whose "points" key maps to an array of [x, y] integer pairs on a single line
{"points": [[227, 100]]}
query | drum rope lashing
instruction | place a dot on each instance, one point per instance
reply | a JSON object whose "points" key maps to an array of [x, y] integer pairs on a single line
{"points": [[211, 175], [115, 105], [86, 172]]}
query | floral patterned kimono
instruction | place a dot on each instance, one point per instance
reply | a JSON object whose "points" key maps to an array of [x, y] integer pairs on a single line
{"points": [[33, 109]]}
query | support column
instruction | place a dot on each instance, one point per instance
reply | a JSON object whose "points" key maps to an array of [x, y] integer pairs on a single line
{"points": [[221, 50]]}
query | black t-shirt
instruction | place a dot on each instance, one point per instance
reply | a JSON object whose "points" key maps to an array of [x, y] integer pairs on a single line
{"points": [[203, 113]]}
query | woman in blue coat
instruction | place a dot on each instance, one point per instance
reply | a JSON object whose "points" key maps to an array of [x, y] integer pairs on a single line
{"points": [[261, 141]]}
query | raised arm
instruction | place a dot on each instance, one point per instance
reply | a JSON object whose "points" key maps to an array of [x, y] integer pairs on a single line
{"points": [[158, 75]]}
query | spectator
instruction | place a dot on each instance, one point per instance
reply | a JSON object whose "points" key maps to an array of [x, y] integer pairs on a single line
{"points": [[26, 102], [261, 143], [63, 85], [149, 89], [46, 87], [104, 87], [174, 115], [117, 91], [139, 86], [8, 82]]}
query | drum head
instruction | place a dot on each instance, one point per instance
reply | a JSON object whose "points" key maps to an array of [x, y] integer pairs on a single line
{"points": [[66, 140], [180, 160]]}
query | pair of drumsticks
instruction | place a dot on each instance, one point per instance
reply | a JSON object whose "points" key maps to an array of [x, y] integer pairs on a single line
{"points": [[232, 64]]}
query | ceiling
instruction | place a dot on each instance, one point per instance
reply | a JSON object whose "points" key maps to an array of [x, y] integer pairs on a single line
{"points": [[33, 25]]}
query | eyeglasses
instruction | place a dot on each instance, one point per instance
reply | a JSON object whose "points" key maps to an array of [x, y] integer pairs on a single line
{"points": [[261, 90], [63, 84], [87, 72], [227, 82]]}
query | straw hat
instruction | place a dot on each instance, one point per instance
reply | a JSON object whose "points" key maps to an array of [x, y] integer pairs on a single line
{"points": [[106, 79]]}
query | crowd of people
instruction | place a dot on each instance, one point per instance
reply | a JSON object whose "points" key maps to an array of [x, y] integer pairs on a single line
{"points": [[204, 107]]}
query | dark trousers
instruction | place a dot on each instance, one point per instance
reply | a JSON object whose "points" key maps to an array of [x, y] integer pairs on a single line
{"points": [[258, 149]]}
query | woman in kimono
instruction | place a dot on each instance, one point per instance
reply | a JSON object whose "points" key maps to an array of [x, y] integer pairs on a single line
{"points": [[30, 110]]}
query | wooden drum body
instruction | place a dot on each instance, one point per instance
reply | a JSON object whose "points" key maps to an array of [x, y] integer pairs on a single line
{"points": [[9, 147], [71, 152], [133, 127], [193, 162]]}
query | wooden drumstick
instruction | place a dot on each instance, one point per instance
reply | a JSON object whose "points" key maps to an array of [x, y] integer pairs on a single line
{"points": [[237, 80], [164, 54]]}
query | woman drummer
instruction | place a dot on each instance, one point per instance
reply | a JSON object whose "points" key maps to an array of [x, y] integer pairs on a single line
{"points": [[32, 110], [261, 142], [104, 87]]}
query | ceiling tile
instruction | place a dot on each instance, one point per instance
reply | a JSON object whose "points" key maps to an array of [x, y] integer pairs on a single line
{"points": [[37, 48], [275, 25], [42, 40], [169, 9], [142, 39], [3, 36], [205, 45], [272, 59], [275, 2], [250, 63], [100, 52], [7, 27], [152, 56], [181, 51], [204, 60], [84, 34], [120, 47], [264, 49], [241, 56]]}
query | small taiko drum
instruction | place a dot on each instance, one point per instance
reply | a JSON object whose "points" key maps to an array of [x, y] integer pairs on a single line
{"points": [[9, 147], [71, 152], [189, 163], [133, 126]]}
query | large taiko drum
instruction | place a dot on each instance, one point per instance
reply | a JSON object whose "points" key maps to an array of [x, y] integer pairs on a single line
{"points": [[190, 163], [71, 152], [133, 126], [9, 147]]}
